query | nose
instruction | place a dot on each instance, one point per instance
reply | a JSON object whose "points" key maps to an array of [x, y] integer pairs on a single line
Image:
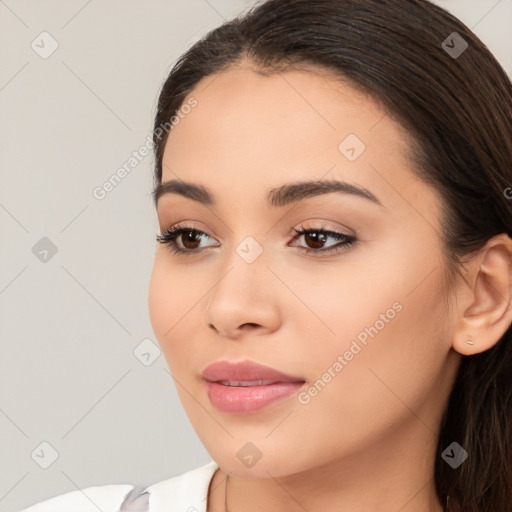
{"points": [[244, 300]]}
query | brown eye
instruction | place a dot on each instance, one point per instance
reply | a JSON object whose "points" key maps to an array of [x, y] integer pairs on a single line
{"points": [[315, 239], [184, 240], [190, 239]]}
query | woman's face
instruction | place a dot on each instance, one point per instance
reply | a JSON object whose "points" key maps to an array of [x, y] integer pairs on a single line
{"points": [[362, 327]]}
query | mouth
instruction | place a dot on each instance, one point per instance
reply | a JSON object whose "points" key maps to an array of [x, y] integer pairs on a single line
{"points": [[246, 387], [245, 383]]}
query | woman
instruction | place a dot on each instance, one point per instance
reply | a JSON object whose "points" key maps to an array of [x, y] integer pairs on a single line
{"points": [[332, 284]]}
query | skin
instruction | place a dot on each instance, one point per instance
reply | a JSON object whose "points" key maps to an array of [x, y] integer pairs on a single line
{"points": [[367, 441]]}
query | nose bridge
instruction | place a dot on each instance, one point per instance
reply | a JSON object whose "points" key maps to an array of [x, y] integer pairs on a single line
{"points": [[243, 293], [244, 269]]}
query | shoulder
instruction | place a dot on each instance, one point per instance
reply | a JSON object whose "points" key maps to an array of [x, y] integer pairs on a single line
{"points": [[187, 492]]}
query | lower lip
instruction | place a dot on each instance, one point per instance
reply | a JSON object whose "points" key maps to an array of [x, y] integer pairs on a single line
{"points": [[240, 400]]}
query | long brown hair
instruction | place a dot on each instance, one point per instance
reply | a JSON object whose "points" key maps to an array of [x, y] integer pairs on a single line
{"points": [[455, 100]]}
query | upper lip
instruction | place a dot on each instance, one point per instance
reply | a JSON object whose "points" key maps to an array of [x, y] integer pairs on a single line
{"points": [[245, 371]]}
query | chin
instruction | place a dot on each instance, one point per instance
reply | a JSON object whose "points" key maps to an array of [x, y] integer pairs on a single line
{"points": [[273, 461]]}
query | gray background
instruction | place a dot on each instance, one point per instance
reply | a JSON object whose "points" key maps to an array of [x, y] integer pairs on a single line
{"points": [[69, 325]]}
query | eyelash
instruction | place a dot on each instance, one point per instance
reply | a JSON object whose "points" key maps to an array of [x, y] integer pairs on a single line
{"points": [[171, 234]]}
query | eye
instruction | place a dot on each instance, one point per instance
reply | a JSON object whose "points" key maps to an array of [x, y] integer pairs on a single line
{"points": [[316, 238], [182, 239], [186, 240]]}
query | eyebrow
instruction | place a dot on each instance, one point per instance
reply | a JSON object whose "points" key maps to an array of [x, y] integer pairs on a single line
{"points": [[277, 197]]}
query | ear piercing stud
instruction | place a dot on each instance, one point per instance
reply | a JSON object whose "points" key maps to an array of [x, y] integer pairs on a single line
{"points": [[469, 342]]}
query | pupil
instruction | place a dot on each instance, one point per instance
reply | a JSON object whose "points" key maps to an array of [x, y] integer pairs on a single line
{"points": [[190, 237], [318, 239]]}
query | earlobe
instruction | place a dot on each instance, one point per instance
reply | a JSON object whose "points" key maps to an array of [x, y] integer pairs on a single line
{"points": [[485, 320]]}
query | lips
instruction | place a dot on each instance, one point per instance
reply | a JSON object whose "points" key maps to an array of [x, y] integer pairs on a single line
{"points": [[247, 386], [245, 373]]}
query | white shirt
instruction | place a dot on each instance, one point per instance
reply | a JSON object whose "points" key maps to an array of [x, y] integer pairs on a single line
{"points": [[187, 492]]}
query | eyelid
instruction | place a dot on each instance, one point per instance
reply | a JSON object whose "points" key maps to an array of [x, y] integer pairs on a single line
{"points": [[324, 225]]}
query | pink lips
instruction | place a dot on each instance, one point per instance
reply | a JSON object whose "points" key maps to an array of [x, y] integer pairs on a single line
{"points": [[247, 386]]}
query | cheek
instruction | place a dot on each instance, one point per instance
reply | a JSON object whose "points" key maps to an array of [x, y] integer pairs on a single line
{"points": [[385, 319], [172, 294], [388, 382], [159, 302], [174, 301], [166, 303], [355, 298]]}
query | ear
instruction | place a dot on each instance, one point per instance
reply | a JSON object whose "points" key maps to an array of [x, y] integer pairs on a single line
{"points": [[486, 298]]}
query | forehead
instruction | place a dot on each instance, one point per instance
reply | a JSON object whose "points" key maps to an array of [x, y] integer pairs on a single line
{"points": [[240, 101], [250, 131]]}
